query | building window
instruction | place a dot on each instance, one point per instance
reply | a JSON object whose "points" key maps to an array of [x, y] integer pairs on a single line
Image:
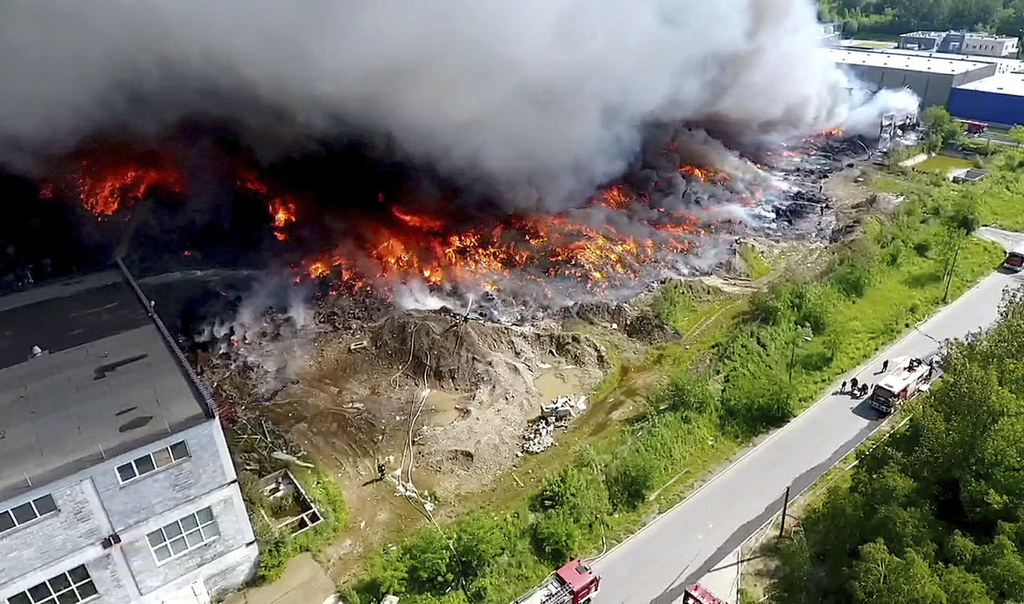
{"points": [[150, 462], [182, 535], [66, 588], [26, 512]]}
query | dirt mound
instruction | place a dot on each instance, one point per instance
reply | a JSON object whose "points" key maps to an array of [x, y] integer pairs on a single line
{"points": [[642, 324], [457, 353]]}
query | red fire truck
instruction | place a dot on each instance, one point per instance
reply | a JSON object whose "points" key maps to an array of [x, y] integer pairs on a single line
{"points": [[574, 583], [698, 594], [974, 127]]}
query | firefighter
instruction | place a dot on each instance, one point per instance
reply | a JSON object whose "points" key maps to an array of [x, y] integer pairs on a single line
{"points": [[842, 387], [885, 365], [853, 385]]}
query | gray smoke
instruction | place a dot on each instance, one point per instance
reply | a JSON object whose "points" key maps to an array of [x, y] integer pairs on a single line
{"points": [[545, 98]]}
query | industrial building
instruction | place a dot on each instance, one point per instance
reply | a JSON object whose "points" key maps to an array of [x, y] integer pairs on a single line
{"points": [[930, 78], [958, 42], [1003, 64], [998, 100], [116, 484]]}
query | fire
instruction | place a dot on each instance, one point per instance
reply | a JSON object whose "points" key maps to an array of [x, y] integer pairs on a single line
{"points": [[429, 249], [834, 132], [704, 174], [281, 208], [104, 190], [616, 197]]}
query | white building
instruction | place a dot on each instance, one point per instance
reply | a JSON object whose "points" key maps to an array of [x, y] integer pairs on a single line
{"points": [[115, 484]]}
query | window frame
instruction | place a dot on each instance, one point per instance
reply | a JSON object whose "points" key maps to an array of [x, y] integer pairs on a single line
{"points": [[151, 456], [54, 595], [35, 509], [200, 528]]}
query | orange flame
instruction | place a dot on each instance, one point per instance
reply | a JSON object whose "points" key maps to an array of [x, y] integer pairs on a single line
{"points": [[104, 191]]}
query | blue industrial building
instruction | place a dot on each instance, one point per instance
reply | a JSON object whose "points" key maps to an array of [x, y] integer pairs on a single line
{"points": [[997, 100]]}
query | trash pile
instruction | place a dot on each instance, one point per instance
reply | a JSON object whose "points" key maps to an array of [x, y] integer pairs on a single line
{"points": [[539, 434]]}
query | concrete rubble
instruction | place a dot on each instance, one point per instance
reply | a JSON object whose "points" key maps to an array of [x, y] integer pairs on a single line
{"points": [[539, 434]]}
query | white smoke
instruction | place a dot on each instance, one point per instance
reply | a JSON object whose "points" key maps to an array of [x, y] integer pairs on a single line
{"points": [[544, 97], [866, 107]]}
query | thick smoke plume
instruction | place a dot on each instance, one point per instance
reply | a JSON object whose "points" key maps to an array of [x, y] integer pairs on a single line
{"points": [[544, 98]]}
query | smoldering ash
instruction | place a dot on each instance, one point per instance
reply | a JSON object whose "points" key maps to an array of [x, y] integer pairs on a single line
{"points": [[542, 99]]}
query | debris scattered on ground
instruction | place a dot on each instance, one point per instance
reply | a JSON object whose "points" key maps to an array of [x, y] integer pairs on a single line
{"points": [[539, 434]]}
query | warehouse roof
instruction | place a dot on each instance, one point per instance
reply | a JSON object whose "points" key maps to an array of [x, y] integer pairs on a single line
{"points": [[924, 64], [86, 372], [1008, 83], [1010, 64]]}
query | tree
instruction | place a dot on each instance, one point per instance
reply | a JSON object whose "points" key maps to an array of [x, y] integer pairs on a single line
{"points": [[879, 576], [940, 128], [1017, 134]]}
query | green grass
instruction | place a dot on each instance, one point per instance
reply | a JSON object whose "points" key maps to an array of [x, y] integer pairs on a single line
{"points": [[756, 264], [873, 44], [943, 164]]}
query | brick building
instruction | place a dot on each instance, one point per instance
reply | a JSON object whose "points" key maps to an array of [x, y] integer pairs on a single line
{"points": [[115, 484]]}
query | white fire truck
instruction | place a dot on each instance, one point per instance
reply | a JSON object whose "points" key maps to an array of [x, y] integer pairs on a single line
{"points": [[909, 377]]}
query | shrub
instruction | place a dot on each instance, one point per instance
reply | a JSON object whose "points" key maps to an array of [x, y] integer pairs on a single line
{"points": [[631, 478], [853, 279], [556, 535], [687, 394]]}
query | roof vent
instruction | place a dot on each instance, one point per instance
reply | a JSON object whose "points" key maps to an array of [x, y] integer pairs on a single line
{"points": [[37, 352]]}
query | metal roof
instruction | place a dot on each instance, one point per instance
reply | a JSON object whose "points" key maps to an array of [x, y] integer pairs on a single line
{"points": [[905, 62], [85, 373], [1007, 83]]}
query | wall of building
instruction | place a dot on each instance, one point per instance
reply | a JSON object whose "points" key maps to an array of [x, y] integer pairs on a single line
{"points": [[167, 488], [918, 42], [990, 47], [986, 106], [93, 504]]}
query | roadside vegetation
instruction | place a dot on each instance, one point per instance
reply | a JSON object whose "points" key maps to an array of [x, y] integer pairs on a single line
{"points": [[744, 366], [934, 514]]}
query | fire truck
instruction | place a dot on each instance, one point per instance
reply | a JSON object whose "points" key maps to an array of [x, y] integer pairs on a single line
{"points": [[910, 377], [698, 594], [974, 127], [574, 583]]}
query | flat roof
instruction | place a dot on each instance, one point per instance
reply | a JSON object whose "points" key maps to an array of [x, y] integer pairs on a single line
{"points": [[905, 62], [1005, 83], [85, 374], [954, 57]]}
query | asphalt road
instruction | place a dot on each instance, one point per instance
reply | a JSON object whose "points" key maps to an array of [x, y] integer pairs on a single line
{"points": [[681, 545]]}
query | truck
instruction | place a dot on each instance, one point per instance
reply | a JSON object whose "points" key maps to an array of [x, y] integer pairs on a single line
{"points": [[573, 583], [974, 128], [1015, 259], [698, 594], [909, 377]]}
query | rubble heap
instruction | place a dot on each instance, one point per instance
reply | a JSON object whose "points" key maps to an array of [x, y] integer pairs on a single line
{"points": [[539, 434]]}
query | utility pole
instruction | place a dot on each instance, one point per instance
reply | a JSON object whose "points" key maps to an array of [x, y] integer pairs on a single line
{"points": [[785, 507]]}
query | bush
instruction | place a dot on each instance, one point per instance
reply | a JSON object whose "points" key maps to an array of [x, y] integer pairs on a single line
{"points": [[431, 564], [687, 394], [557, 537], [631, 479], [853, 280]]}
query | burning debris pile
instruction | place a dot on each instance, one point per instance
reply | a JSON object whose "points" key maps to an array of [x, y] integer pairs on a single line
{"points": [[539, 434]]}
